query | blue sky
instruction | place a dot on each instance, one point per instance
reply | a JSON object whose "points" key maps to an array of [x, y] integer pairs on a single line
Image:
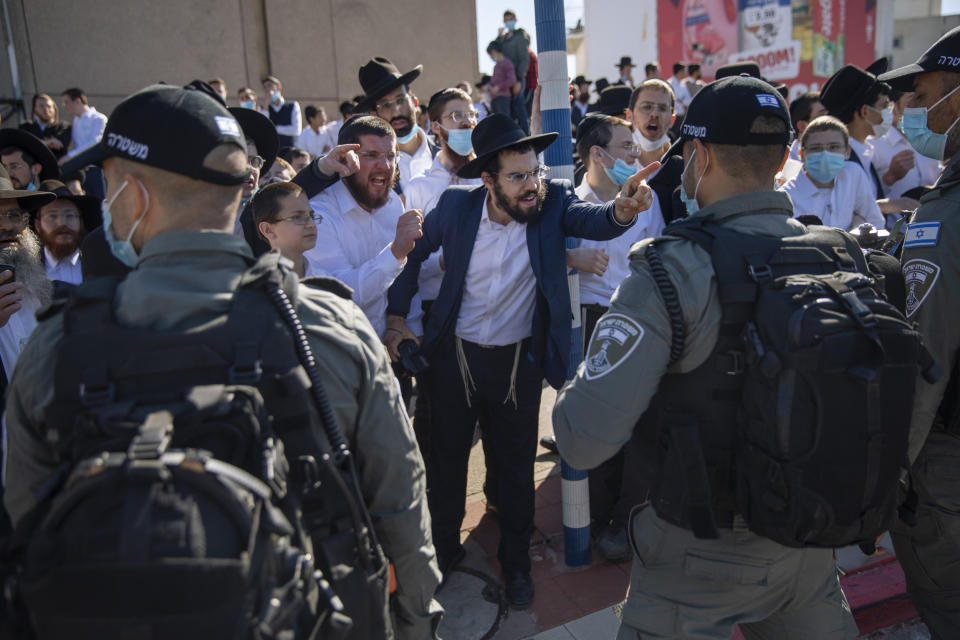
{"points": [[949, 7], [490, 18]]}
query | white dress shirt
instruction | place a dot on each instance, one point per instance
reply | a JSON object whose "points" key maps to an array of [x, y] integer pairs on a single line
{"points": [[293, 129], [353, 245], [924, 172], [66, 270], [87, 129], [416, 164], [422, 193], [15, 333], [596, 289], [845, 205], [795, 150], [680, 94], [316, 143], [865, 154], [499, 291]]}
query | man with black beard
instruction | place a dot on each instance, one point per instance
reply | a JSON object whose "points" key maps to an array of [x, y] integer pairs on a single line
{"points": [[61, 225], [500, 325], [363, 233], [387, 94]]}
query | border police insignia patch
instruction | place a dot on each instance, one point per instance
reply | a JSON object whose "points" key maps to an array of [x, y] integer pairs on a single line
{"points": [[920, 276], [921, 234], [614, 338]]}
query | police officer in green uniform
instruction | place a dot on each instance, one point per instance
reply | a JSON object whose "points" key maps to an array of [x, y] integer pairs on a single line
{"points": [[173, 194], [734, 140], [929, 550]]}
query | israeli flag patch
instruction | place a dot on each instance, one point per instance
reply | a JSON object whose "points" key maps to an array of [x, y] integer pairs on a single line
{"points": [[922, 234], [767, 100], [228, 126]]}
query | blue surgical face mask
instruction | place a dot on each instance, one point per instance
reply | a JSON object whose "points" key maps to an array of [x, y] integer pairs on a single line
{"points": [[913, 124], [31, 187], [691, 203], [620, 172], [248, 104], [510, 25], [275, 95], [823, 166], [122, 250], [460, 141], [410, 136]]}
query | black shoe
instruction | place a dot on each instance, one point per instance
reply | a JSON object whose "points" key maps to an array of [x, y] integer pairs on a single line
{"points": [[519, 589], [550, 444], [449, 561], [613, 544]]}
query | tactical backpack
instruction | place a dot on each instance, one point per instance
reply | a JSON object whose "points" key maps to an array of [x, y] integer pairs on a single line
{"points": [[798, 419], [208, 491]]}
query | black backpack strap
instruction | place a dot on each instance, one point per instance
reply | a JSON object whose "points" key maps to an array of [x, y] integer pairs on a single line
{"points": [[678, 331]]}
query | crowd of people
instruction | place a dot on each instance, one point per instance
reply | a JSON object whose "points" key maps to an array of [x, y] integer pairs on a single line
{"points": [[429, 244]]}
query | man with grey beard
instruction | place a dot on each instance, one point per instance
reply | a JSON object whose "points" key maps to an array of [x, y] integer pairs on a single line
{"points": [[28, 288]]}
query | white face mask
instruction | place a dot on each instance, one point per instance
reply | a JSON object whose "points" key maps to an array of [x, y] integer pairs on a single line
{"points": [[650, 145], [879, 130]]}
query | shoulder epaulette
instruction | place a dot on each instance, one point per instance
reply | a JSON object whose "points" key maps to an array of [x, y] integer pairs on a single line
{"points": [[331, 285]]}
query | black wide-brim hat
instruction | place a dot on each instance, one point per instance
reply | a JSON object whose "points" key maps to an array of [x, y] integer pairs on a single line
{"points": [[35, 147], [752, 69], [846, 90], [615, 100], [625, 61], [261, 130], [379, 77], [89, 206], [495, 133]]}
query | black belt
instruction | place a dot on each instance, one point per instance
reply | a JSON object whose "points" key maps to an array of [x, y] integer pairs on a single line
{"points": [[723, 518], [490, 347]]}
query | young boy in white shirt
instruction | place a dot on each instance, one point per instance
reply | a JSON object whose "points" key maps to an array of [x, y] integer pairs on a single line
{"points": [[285, 219]]}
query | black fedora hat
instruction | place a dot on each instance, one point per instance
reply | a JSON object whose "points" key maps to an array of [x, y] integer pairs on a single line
{"points": [[261, 130], [879, 66], [29, 200], [614, 100], [89, 206], [379, 77], [495, 133], [846, 90], [601, 84], [752, 69], [34, 146], [581, 80], [625, 61]]}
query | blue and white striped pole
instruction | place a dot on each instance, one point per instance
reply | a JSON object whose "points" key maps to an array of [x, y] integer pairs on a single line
{"points": [[555, 110]]}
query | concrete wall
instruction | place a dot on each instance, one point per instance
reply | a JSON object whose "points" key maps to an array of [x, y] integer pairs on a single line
{"points": [[914, 36], [111, 48]]}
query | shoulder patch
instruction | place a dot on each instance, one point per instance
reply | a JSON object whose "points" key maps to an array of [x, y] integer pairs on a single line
{"points": [[614, 339], [332, 285], [922, 234], [919, 276]]}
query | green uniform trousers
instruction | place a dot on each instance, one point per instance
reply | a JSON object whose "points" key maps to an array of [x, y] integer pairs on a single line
{"points": [[682, 587]]}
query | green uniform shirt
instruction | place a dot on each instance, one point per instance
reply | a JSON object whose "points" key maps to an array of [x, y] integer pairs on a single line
{"points": [[931, 267], [186, 278], [596, 412]]}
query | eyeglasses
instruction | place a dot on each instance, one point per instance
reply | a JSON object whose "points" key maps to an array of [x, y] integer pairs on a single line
{"points": [[630, 147], [390, 157], [518, 178], [68, 218], [14, 216], [833, 147], [462, 116], [255, 162], [15, 166], [647, 108], [300, 219], [396, 103]]}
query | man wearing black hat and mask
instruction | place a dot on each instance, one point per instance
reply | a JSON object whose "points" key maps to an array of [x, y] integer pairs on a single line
{"points": [[500, 324], [175, 160], [387, 95], [684, 584], [61, 225], [625, 68], [26, 159], [929, 547]]}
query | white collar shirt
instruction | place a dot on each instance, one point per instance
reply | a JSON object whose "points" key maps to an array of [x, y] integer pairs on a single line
{"points": [[596, 289], [795, 150], [353, 245], [416, 164], [499, 291], [66, 270], [865, 153], [924, 172], [845, 205], [316, 143], [15, 333], [681, 94], [422, 193], [87, 129]]}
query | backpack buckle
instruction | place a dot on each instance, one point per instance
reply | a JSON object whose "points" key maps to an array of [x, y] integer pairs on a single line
{"points": [[92, 395], [245, 374], [759, 274]]}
